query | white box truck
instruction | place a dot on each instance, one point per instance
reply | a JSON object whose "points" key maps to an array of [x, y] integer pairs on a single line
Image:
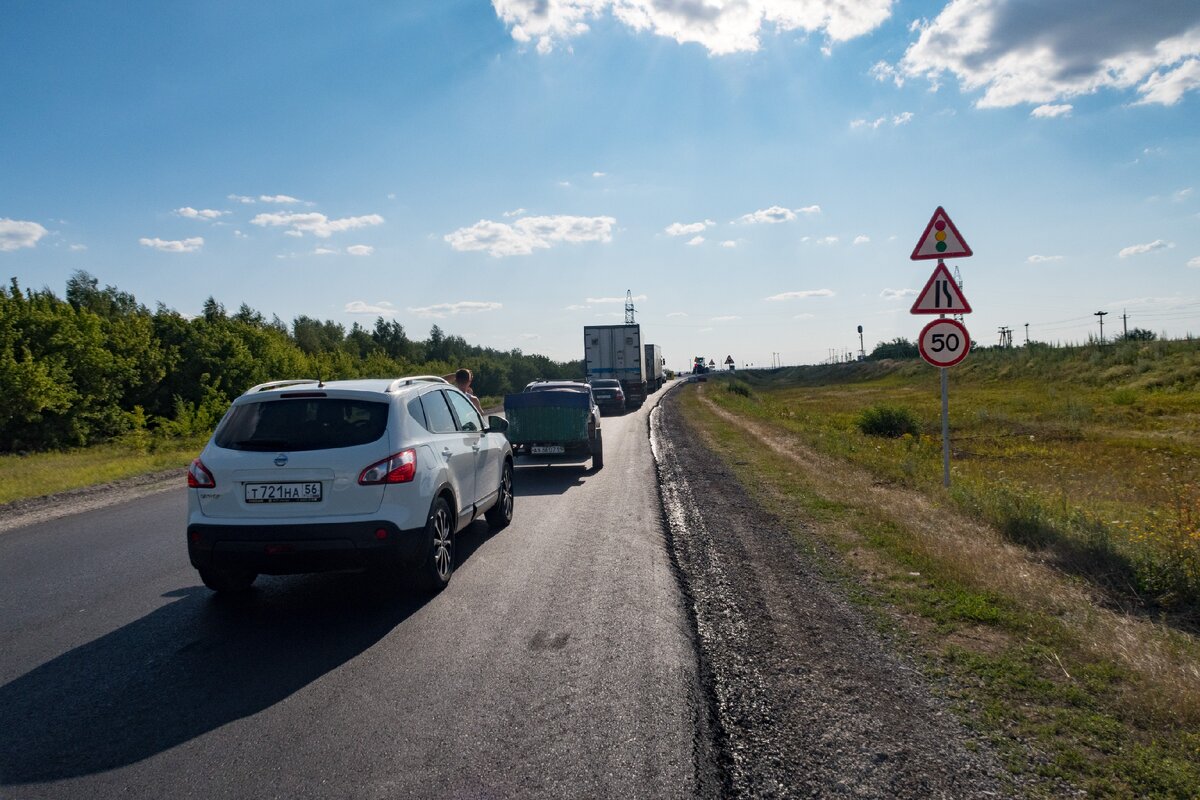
{"points": [[654, 364], [615, 351]]}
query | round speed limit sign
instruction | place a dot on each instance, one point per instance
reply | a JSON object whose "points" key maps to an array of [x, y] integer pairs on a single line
{"points": [[944, 342]]}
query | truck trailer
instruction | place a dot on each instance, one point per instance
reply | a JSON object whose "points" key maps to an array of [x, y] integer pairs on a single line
{"points": [[615, 351], [654, 364]]}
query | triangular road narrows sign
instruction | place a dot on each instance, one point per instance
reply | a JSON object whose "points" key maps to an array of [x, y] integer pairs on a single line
{"points": [[941, 295], [940, 239]]}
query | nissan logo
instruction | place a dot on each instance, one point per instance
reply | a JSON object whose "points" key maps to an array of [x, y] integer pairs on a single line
{"points": [[281, 460]]}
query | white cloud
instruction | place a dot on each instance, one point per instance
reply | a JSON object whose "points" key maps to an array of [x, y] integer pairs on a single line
{"points": [[281, 199], [729, 243], [677, 314], [565, 184], [318, 225], [360, 250], [15, 234], [1037, 259], [516, 212], [1182, 194], [1051, 110], [1021, 52], [174, 246], [828, 240], [695, 240], [363, 307], [902, 118], [77, 248], [187, 212], [575, 307], [724, 318], [896, 294], [861, 239], [800, 295], [685, 228], [241, 198], [721, 28], [527, 234], [1194, 263], [775, 214], [599, 174], [883, 72], [324, 251], [1149, 247], [441, 310], [240, 235]]}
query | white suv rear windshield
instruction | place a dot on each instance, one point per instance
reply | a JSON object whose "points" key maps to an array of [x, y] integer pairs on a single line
{"points": [[311, 423]]}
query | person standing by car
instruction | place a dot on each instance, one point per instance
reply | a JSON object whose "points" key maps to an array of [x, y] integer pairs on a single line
{"points": [[462, 379]]}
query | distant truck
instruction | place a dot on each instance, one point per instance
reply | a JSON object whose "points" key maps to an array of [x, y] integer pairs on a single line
{"points": [[615, 351], [654, 368]]}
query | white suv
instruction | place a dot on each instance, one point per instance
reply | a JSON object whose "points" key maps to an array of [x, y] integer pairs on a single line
{"points": [[304, 476]]}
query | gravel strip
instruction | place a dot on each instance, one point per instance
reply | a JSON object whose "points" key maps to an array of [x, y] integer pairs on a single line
{"points": [[807, 698], [20, 513]]}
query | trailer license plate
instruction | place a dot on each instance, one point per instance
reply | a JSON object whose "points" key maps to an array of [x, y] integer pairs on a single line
{"points": [[306, 492], [547, 449]]}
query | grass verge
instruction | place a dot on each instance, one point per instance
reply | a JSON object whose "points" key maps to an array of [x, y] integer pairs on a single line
{"points": [[1073, 694], [39, 474]]}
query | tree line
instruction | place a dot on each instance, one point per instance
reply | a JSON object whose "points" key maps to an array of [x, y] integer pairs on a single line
{"points": [[98, 365]]}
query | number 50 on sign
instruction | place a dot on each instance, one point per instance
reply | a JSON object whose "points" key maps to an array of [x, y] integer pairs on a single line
{"points": [[944, 342]]}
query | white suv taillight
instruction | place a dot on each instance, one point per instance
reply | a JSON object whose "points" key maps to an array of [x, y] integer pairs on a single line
{"points": [[398, 468], [199, 477]]}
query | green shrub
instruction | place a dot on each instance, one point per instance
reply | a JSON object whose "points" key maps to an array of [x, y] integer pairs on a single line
{"points": [[888, 421], [739, 388]]}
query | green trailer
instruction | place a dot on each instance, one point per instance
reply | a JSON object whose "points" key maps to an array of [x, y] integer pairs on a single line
{"points": [[554, 420]]}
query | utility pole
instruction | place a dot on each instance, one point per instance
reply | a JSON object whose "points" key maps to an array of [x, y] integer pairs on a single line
{"points": [[1027, 334], [862, 352], [628, 306], [1005, 336], [1124, 324], [1101, 315]]}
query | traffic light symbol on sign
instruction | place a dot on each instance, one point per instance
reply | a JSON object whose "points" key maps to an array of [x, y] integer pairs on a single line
{"points": [[941, 295], [940, 239]]}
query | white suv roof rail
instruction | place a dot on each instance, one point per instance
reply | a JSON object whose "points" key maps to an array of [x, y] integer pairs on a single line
{"points": [[410, 380], [269, 385]]}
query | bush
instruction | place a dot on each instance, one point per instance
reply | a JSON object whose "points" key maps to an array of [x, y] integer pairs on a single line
{"points": [[888, 421], [739, 388]]}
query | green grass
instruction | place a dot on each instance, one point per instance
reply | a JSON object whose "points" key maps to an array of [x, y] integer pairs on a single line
{"points": [[23, 477], [1060, 705]]}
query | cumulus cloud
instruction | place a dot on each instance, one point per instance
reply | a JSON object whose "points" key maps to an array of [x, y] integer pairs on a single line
{"points": [[801, 295], [516, 212], [363, 307], [599, 174], [775, 214], [174, 246], [1038, 259], [1021, 52], [828, 240], [695, 240], [282, 199], [897, 294], [883, 72], [527, 234], [15, 234], [721, 28], [241, 198], [861, 239], [1194, 263], [1141, 249], [187, 212], [729, 243], [76, 248], [685, 228], [318, 225], [360, 250], [1049, 111], [441, 310], [324, 251]]}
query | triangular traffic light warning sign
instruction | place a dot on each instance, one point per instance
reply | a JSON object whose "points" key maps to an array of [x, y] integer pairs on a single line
{"points": [[941, 295], [940, 239]]}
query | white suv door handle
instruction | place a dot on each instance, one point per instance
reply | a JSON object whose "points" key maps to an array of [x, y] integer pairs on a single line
{"points": [[475, 447], [447, 452]]}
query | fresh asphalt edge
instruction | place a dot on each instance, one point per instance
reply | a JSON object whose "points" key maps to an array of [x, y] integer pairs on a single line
{"points": [[32, 510], [711, 755]]}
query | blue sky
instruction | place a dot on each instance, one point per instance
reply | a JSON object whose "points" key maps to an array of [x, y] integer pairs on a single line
{"points": [[756, 172]]}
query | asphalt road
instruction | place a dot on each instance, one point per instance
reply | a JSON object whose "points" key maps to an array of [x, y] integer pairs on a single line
{"points": [[558, 663]]}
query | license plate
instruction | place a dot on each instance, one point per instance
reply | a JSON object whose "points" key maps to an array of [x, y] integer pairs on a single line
{"points": [[299, 492], [547, 450]]}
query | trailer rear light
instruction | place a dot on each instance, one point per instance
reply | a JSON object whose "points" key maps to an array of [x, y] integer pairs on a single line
{"points": [[199, 477], [398, 468]]}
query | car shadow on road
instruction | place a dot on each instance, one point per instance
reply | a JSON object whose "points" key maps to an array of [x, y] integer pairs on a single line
{"points": [[535, 478], [188, 668]]}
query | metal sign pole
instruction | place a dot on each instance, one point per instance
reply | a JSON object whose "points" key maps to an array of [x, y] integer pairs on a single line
{"points": [[945, 432]]}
